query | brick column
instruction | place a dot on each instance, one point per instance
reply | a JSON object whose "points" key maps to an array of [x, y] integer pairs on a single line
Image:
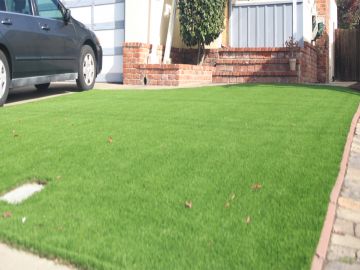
{"points": [[322, 44], [134, 54]]}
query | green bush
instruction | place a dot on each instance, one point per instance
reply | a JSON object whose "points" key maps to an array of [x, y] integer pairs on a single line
{"points": [[201, 22]]}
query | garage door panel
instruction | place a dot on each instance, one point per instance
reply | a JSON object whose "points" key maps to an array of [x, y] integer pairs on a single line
{"points": [[106, 18], [112, 64], [111, 67], [82, 14], [109, 13], [109, 38]]}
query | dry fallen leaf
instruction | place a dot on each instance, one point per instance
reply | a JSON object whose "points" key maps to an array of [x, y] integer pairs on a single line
{"points": [[188, 204], [227, 205], [15, 134], [256, 186], [232, 196], [248, 220], [7, 214], [58, 177], [110, 139]]}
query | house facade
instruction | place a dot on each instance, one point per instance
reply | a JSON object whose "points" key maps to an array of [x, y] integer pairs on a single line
{"points": [[249, 25]]}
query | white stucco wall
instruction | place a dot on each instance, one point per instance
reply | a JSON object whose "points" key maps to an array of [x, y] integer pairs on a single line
{"points": [[136, 21]]}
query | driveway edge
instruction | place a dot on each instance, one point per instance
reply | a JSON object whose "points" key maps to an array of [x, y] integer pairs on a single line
{"points": [[36, 99], [322, 247]]}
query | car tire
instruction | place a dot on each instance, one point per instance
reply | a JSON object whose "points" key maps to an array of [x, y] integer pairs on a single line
{"points": [[87, 69], [42, 87], [4, 78]]}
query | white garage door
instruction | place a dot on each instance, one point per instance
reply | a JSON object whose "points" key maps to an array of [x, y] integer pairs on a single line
{"points": [[106, 18]]}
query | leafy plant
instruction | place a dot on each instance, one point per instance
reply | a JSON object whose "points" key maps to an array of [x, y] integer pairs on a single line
{"points": [[292, 44], [201, 22], [349, 13]]}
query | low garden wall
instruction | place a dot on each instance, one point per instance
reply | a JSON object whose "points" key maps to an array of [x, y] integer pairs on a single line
{"points": [[171, 75], [225, 65]]}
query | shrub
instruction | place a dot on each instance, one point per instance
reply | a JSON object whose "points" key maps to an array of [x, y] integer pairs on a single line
{"points": [[201, 22]]}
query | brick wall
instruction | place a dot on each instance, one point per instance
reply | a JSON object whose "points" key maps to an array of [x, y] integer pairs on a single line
{"points": [[262, 65], [174, 74], [134, 54], [308, 61], [229, 65], [137, 71]]}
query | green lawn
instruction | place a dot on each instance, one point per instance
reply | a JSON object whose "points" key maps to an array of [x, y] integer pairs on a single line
{"points": [[120, 205]]}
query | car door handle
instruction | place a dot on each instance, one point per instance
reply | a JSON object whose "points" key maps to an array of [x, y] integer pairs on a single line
{"points": [[6, 22], [45, 27]]}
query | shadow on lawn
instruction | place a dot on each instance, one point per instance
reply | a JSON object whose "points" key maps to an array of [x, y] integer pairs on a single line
{"points": [[27, 93], [350, 90]]}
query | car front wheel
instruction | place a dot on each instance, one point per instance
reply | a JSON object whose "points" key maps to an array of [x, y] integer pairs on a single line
{"points": [[4, 78], [87, 69]]}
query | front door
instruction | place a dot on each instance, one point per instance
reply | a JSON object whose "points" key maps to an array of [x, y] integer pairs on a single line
{"points": [[58, 47]]}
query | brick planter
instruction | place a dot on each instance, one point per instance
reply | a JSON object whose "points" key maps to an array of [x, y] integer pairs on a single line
{"points": [[138, 72], [228, 65], [170, 75]]}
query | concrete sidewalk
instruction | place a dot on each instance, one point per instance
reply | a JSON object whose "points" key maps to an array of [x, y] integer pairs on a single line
{"points": [[13, 259], [344, 249]]}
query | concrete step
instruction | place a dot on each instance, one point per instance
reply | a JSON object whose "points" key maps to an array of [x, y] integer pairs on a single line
{"points": [[255, 77], [256, 73], [254, 53], [250, 61]]}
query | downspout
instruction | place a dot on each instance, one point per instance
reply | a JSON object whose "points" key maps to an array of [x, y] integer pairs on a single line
{"points": [[294, 15], [155, 25], [170, 33], [230, 3], [149, 23]]}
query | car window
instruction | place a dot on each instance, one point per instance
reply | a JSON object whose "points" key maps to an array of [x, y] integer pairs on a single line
{"points": [[18, 6], [2, 5], [49, 9]]}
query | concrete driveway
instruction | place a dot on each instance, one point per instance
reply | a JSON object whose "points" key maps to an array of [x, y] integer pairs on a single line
{"points": [[30, 94]]}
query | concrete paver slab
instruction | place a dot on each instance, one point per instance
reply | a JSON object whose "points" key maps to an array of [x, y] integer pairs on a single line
{"points": [[343, 250]]}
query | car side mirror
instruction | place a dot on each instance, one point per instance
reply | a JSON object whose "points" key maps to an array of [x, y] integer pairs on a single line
{"points": [[67, 15]]}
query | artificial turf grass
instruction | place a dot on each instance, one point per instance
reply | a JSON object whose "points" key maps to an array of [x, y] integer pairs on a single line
{"points": [[121, 205]]}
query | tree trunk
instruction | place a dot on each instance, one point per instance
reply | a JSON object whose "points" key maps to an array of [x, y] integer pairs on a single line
{"points": [[198, 56], [201, 54]]}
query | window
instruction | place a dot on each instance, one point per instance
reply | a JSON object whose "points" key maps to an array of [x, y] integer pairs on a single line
{"points": [[2, 5], [18, 6], [49, 9]]}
